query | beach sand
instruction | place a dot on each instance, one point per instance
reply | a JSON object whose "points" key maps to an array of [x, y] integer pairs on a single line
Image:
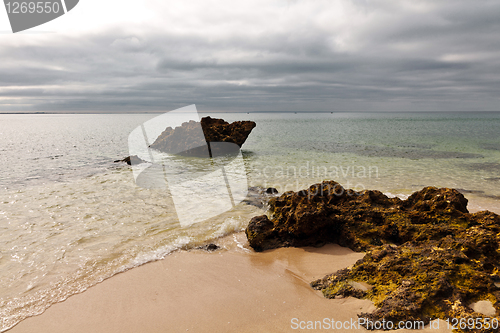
{"points": [[230, 290]]}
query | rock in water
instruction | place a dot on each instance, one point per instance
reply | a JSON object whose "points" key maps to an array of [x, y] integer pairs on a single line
{"points": [[189, 140], [271, 190], [209, 247], [259, 197], [427, 256], [134, 159], [218, 130]]}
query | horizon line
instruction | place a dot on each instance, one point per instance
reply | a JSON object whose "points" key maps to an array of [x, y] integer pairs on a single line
{"points": [[160, 112]]}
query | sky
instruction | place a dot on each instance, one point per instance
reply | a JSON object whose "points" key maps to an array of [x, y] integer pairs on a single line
{"points": [[262, 55]]}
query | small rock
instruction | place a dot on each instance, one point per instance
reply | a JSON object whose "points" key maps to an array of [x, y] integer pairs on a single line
{"points": [[271, 190], [258, 196], [209, 247], [134, 159]]}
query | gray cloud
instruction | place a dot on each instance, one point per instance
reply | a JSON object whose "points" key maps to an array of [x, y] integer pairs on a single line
{"points": [[393, 56]]}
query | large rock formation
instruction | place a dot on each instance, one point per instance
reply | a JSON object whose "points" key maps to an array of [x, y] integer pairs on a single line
{"points": [[218, 130], [210, 137], [427, 256], [328, 213]]}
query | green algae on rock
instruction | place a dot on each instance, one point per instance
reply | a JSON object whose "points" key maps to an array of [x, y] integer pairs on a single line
{"points": [[415, 282], [328, 213], [427, 256]]}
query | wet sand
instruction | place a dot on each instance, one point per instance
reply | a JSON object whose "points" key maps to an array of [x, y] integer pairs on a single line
{"points": [[229, 290]]}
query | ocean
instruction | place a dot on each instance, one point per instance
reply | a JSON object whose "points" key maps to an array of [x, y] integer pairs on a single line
{"points": [[70, 217]]}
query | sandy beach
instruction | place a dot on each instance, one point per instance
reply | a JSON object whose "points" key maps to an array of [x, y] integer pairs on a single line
{"points": [[230, 290]]}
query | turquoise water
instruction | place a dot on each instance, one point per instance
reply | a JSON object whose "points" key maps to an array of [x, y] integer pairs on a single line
{"points": [[395, 153], [70, 217]]}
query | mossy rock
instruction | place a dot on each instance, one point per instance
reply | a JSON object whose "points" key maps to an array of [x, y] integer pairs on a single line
{"points": [[427, 256]]}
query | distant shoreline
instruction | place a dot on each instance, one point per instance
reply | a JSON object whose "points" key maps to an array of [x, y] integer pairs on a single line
{"points": [[249, 112]]}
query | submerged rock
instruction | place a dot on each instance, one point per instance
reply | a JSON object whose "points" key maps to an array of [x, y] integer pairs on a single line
{"points": [[427, 256], [259, 197], [191, 138]]}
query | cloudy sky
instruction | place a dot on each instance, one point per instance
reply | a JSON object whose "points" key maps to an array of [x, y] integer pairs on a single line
{"points": [[288, 55]]}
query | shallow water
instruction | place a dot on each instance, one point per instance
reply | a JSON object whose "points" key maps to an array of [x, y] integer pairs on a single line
{"points": [[70, 217]]}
